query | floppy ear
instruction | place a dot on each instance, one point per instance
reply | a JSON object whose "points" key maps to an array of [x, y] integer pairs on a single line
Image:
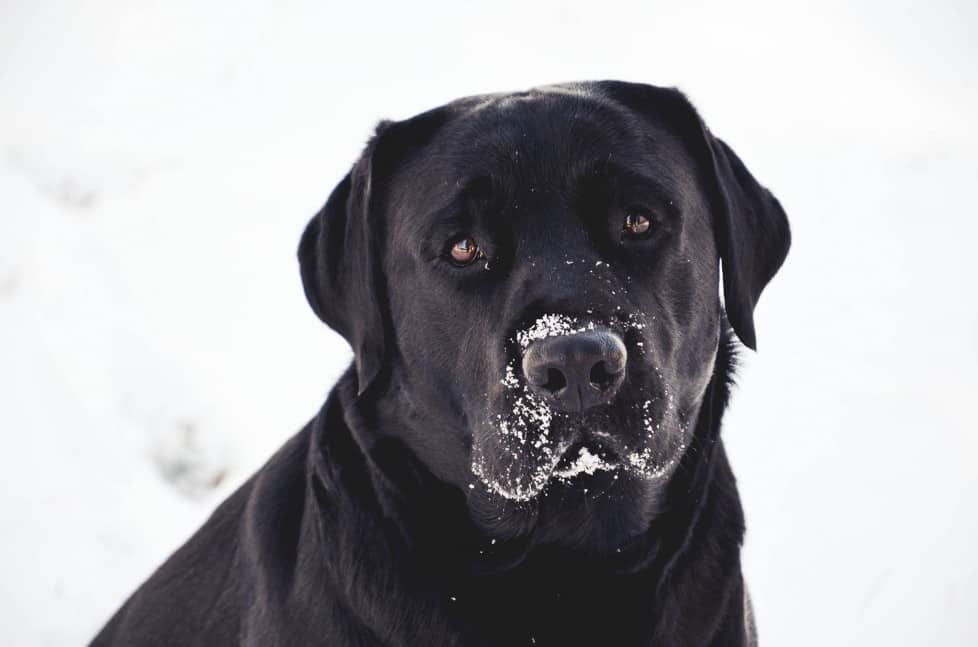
{"points": [[752, 235], [750, 227], [342, 247], [341, 282]]}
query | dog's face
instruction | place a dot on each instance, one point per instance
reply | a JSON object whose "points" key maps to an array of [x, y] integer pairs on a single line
{"points": [[533, 278]]}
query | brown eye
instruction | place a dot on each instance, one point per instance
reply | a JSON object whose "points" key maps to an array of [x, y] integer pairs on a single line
{"points": [[464, 251], [636, 224]]}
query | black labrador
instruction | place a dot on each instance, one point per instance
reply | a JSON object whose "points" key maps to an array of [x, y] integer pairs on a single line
{"points": [[526, 448]]}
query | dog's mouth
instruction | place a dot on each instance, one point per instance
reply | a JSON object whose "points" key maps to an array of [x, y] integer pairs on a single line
{"points": [[585, 458]]}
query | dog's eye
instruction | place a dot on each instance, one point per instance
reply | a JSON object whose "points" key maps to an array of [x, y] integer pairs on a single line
{"points": [[464, 251], [637, 224]]}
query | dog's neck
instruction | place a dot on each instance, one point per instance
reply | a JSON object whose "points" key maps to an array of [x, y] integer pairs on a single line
{"points": [[692, 546]]}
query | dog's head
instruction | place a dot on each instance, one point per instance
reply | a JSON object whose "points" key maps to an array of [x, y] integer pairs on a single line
{"points": [[533, 280]]}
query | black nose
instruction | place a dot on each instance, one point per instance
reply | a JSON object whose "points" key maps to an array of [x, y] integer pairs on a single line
{"points": [[576, 372]]}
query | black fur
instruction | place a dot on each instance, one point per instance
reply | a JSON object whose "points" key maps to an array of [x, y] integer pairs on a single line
{"points": [[402, 514]]}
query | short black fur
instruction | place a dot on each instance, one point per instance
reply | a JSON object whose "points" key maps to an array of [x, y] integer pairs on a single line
{"points": [[405, 513]]}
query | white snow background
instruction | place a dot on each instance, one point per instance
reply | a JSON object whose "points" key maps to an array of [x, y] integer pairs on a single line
{"points": [[159, 160]]}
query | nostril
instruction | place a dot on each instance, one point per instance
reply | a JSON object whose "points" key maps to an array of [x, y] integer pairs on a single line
{"points": [[555, 381], [600, 377]]}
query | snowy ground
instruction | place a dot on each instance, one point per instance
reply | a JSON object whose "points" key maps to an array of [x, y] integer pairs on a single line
{"points": [[158, 162]]}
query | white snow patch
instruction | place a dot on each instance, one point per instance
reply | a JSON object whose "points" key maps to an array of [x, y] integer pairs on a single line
{"points": [[551, 325], [510, 380], [585, 463]]}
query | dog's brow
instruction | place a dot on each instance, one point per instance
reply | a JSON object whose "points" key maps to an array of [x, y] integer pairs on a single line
{"points": [[446, 219], [450, 216], [461, 206], [628, 181]]}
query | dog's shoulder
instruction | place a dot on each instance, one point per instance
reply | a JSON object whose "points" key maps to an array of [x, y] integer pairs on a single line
{"points": [[200, 594]]}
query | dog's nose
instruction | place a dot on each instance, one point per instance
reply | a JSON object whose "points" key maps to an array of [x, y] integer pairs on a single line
{"points": [[576, 372]]}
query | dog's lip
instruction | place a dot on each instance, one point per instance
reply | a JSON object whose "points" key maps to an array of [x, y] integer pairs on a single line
{"points": [[595, 445]]}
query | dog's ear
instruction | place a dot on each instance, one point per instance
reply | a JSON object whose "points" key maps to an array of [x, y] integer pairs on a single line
{"points": [[751, 228], [342, 247], [752, 234]]}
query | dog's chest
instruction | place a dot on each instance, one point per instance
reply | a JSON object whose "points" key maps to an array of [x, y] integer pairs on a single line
{"points": [[592, 612]]}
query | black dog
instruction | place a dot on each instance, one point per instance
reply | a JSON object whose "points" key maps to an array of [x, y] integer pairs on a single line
{"points": [[526, 450]]}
